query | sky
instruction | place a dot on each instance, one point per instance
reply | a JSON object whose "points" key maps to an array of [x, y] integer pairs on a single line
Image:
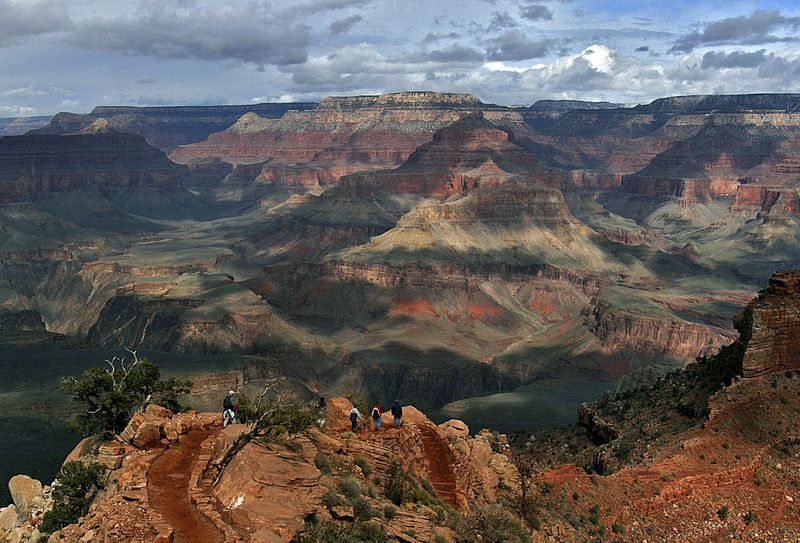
{"points": [[71, 55]]}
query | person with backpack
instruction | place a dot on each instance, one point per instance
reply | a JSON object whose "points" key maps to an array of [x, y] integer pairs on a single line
{"points": [[397, 413], [229, 407], [355, 416], [376, 416]]}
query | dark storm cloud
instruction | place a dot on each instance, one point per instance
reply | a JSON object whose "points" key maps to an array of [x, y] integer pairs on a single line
{"points": [[536, 12], [432, 37], [756, 28], [318, 6], [342, 26], [736, 59], [515, 45], [456, 53], [23, 20], [247, 33], [501, 20]]}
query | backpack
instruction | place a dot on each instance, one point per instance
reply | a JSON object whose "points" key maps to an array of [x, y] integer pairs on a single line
{"points": [[227, 403], [353, 416], [376, 414]]}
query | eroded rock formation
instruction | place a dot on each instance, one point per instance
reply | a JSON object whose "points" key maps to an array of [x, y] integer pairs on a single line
{"points": [[770, 327]]}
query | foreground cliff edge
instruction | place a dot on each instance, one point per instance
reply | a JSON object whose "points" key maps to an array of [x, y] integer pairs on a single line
{"points": [[710, 453]]}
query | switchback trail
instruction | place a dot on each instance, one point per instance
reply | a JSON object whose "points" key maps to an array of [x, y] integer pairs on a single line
{"points": [[168, 490], [440, 462]]}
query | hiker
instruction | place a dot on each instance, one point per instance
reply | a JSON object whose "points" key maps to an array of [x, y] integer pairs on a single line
{"points": [[397, 413], [321, 409], [355, 416], [229, 407], [376, 416]]}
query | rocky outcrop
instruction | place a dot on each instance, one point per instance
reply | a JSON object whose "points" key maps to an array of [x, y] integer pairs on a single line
{"points": [[343, 135], [17, 126], [105, 161], [642, 333], [170, 126], [769, 327]]}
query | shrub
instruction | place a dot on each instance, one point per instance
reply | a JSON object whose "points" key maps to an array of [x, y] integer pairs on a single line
{"points": [[594, 514], [495, 525], [323, 463], [749, 517], [722, 513], [363, 464], [389, 511], [397, 486], [618, 529], [362, 510], [75, 488], [351, 488], [331, 499], [332, 532]]}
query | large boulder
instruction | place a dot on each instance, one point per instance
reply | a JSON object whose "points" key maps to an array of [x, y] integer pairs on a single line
{"points": [[8, 521], [273, 486], [337, 416], [27, 493], [411, 415], [455, 428]]}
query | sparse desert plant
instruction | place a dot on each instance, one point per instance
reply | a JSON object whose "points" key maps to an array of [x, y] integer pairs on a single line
{"points": [[334, 532], [363, 510], [389, 511], [350, 487], [363, 464], [496, 525], [722, 513], [397, 486], [331, 499], [75, 488], [323, 463]]}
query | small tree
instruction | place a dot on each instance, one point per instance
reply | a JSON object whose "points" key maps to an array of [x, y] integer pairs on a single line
{"points": [[268, 418], [73, 493], [111, 395], [524, 463]]}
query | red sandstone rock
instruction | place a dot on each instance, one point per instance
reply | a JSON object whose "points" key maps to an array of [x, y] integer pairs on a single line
{"points": [[770, 327]]}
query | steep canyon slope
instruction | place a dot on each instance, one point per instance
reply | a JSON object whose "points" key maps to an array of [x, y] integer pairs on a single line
{"points": [[414, 243]]}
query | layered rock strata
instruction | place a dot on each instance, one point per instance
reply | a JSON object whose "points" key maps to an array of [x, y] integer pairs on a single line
{"points": [[770, 327]]}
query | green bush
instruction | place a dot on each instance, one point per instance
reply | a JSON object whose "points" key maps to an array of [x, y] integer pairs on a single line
{"points": [[397, 485], [362, 510], [109, 396], [333, 532], [389, 511], [722, 513], [496, 525], [323, 463], [331, 499], [350, 487], [594, 514], [75, 488], [363, 464]]}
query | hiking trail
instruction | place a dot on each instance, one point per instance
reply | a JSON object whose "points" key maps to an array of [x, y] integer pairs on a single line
{"points": [[168, 490], [440, 461]]}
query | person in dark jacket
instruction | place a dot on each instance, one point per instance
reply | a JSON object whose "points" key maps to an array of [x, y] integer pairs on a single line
{"points": [[397, 413], [229, 407]]}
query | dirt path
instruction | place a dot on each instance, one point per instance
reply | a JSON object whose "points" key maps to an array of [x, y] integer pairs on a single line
{"points": [[168, 490], [440, 461]]}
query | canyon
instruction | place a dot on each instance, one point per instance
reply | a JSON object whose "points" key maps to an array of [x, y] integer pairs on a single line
{"points": [[665, 457], [421, 246]]}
